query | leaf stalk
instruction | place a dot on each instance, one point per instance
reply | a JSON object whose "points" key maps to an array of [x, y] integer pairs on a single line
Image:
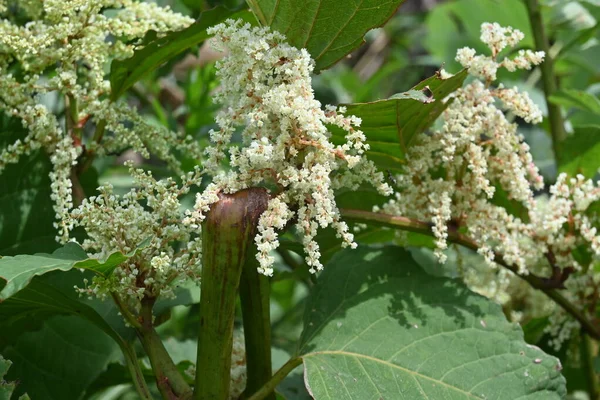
{"points": [[279, 376]]}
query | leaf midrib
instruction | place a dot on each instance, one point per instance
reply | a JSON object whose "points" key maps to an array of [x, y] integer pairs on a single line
{"points": [[377, 360]]}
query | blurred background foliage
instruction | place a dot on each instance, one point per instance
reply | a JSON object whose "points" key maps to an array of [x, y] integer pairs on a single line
{"points": [[421, 38]]}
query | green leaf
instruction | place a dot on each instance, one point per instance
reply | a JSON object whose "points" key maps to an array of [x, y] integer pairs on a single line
{"points": [[6, 388], [377, 326], [41, 300], [328, 29], [18, 271], [580, 152], [580, 39], [26, 213], [59, 361], [577, 99], [391, 125], [125, 73]]}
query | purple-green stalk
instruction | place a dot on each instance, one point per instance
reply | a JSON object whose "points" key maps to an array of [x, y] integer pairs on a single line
{"points": [[227, 235]]}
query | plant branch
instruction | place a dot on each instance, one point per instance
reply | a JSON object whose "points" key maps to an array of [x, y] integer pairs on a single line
{"points": [[270, 386], [90, 154], [411, 225], [129, 317], [169, 381], [134, 369], [557, 124], [129, 353], [72, 117]]}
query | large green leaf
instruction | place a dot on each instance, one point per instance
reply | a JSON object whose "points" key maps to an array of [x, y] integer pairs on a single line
{"points": [[377, 326], [41, 300], [577, 99], [328, 29], [125, 73], [59, 361], [580, 152], [18, 271], [26, 214], [391, 125]]}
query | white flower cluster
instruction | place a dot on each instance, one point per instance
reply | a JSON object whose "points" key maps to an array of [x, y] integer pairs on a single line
{"points": [[64, 50], [266, 90], [497, 38], [147, 219], [476, 176], [479, 151]]}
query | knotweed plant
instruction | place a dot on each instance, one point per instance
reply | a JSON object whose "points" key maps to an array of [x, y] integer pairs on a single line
{"points": [[63, 50], [221, 226], [456, 175]]}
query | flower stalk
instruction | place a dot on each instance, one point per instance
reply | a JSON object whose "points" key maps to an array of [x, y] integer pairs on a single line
{"points": [[137, 376], [227, 233], [170, 382]]}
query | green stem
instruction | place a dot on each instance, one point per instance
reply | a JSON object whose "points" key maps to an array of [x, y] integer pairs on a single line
{"points": [[587, 357], [412, 225], [129, 317], [134, 369], [170, 382], [72, 118], [131, 360], [90, 154], [227, 233], [254, 296], [557, 124], [270, 386]]}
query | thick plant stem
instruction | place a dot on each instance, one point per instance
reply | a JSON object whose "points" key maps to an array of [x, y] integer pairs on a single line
{"points": [[412, 225], [170, 383], [227, 233], [254, 296], [270, 386], [557, 124], [587, 358]]}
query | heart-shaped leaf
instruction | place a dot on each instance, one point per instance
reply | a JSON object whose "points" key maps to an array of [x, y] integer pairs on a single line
{"points": [[377, 326]]}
